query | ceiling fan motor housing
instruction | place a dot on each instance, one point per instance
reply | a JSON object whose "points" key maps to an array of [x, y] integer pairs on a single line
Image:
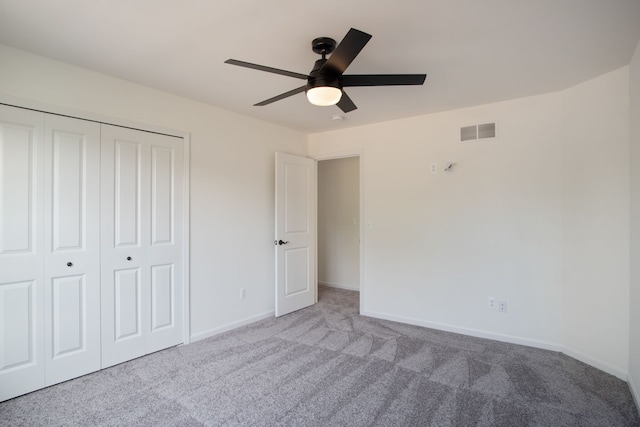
{"points": [[318, 78]]}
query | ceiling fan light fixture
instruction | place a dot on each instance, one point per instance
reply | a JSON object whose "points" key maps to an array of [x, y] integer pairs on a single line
{"points": [[327, 78], [324, 95]]}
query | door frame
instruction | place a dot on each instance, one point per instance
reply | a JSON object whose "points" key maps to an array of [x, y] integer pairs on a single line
{"points": [[59, 110], [359, 153]]}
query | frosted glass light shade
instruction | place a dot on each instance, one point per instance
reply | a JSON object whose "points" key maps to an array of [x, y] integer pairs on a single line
{"points": [[324, 95]]}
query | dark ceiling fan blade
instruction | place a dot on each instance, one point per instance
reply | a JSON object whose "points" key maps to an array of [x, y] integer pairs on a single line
{"points": [[267, 69], [281, 96], [346, 51], [345, 103], [383, 79]]}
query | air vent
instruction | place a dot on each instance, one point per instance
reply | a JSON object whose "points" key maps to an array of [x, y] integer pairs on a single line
{"points": [[475, 132], [469, 133]]}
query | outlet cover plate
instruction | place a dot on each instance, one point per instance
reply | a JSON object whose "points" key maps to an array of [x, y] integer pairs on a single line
{"points": [[502, 306]]}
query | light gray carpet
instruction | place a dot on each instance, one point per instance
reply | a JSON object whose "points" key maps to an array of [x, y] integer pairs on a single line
{"points": [[328, 366]]}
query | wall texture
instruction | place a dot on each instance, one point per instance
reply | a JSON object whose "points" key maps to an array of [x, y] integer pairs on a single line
{"points": [[232, 179], [634, 336], [339, 223], [508, 221]]}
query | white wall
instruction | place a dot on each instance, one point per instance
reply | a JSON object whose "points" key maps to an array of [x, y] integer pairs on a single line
{"points": [[596, 220], [232, 178], [339, 223], [437, 246], [634, 342]]}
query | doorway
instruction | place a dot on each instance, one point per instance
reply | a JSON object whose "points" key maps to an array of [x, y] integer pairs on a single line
{"points": [[340, 223]]}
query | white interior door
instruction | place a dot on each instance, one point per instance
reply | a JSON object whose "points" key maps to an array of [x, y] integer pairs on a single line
{"points": [[142, 309], [296, 200], [72, 245], [21, 250]]}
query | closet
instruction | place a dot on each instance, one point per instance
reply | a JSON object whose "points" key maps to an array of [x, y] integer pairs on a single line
{"points": [[91, 247]]}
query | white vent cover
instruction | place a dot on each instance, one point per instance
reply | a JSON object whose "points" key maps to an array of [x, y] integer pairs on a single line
{"points": [[475, 132]]}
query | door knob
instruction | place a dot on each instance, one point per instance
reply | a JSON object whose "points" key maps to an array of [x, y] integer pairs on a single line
{"points": [[69, 264], [280, 242], [128, 258]]}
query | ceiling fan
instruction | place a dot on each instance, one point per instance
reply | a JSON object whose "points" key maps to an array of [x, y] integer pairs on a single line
{"points": [[326, 81]]}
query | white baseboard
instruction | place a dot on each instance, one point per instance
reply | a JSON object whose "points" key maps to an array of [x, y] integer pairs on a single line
{"points": [[616, 372], [635, 391], [466, 331], [229, 326], [340, 286], [510, 339]]}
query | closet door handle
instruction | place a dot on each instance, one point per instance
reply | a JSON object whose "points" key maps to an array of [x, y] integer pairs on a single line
{"points": [[129, 258], [280, 242], [69, 264]]}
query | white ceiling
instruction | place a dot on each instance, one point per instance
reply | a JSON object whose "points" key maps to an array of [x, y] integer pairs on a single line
{"points": [[474, 52]]}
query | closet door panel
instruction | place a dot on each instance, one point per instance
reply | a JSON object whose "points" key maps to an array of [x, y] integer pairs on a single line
{"points": [[21, 276], [162, 297], [125, 287], [162, 195], [72, 240], [68, 315], [68, 177], [17, 320], [126, 198], [21, 359], [128, 305], [17, 145], [165, 246]]}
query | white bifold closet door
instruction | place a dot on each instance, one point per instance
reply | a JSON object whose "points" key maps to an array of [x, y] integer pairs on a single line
{"points": [[142, 243], [49, 249], [72, 248], [21, 252]]}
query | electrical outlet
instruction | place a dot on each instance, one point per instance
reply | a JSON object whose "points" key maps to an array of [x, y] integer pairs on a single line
{"points": [[492, 303], [502, 306], [243, 293], [434, 168]]}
